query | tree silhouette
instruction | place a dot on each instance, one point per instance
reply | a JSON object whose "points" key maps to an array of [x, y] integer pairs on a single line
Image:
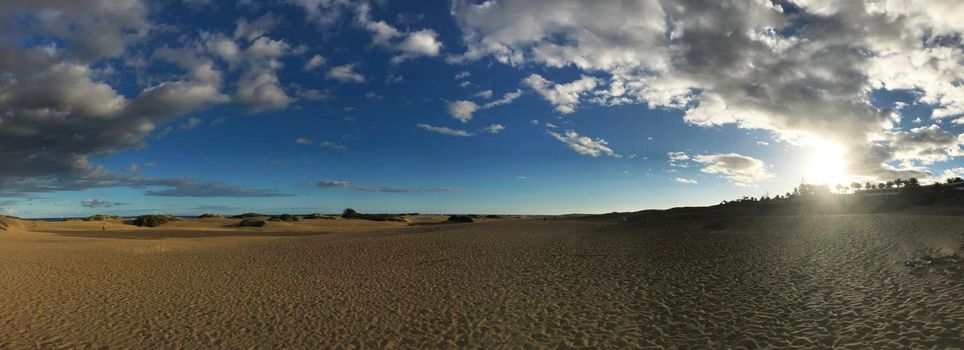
{"points": [[348, 213], [912, 182], [856, 186]]}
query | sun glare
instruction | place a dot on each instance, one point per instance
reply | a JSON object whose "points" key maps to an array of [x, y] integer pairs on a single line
{"points": [[827, 164]]}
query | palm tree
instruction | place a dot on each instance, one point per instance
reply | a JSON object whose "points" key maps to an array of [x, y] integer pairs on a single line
{"points": [[890, 184], [856, 186], [869, 185], [912, 182]]}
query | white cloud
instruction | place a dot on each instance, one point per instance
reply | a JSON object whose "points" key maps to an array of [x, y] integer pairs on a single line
{"points": [[332, 146], [583, 144], [445, 130], [99, 203], [462, 110], [258, 28], [804, 75], [190, 123], [261, 91], [408, 45], [345, 74], [314, 62], [685, 181], [565, 97], [419, 43], [462, 75], [951, 174], [739, 169], [506, 99], [494, 128], [925, 144], [312, 94], [303, 141], [487, 94], [678, 159], [677, 156], [90, 29]]}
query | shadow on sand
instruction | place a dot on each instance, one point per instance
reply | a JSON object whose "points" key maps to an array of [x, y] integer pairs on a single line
{"points": [[184, 234]]}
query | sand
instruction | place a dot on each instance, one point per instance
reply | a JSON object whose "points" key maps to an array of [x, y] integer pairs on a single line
{"points": [[808, 281]]}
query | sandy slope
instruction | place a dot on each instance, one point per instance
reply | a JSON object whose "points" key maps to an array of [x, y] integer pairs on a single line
{"points": [[818, 281]]}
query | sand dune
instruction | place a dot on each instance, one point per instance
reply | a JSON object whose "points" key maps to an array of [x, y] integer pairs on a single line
{"points": [[808, 281]]}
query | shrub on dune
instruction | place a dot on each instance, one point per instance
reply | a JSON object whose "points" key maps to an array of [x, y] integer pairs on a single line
{"points": [[209, 216], [249, 222], [284, 217], [460, 218], [315, 216], [348, 213], [153, 220], [101, 217], [247, 215]]}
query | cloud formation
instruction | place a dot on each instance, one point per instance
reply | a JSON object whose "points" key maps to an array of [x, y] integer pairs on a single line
{"points": [[583, 144], [365, 188], [406, 44], [802, 69], [738, 169], [345, 74], [462, 110], [494, 128], [99, 203], [445, 130], [565, 97]]}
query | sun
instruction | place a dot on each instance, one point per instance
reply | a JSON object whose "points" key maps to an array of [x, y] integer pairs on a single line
{"points": [[826, 164]]}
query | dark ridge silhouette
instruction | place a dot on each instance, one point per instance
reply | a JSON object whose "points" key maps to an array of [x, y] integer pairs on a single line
{"points": [[317, 216], [284, 218], [153, 220], [248, 215], [460, 218], [101, 217], [351, 214], [249, 222]]}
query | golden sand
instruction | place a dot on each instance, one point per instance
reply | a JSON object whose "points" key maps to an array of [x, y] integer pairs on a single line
{"points": [[810, 281]]}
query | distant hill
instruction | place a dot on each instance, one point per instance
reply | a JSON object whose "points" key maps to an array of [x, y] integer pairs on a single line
{"points": [[927, 200]]}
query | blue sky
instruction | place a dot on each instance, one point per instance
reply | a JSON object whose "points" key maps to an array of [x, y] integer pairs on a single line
{"points": [[185, 107]]}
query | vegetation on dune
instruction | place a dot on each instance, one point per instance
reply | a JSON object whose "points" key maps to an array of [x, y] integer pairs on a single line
{"points": [[889, 196], [284, 217], [209, 216], [101, 217], [351, 214], [348, 213], [248, 215], [315, 216], [153, 220], [249, 222], [460, 218]]}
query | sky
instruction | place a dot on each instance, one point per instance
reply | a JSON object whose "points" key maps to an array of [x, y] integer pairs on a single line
{"points": [[503, 106]]}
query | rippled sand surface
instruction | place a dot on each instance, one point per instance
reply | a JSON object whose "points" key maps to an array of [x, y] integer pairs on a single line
{"points": [[867, 281]]}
